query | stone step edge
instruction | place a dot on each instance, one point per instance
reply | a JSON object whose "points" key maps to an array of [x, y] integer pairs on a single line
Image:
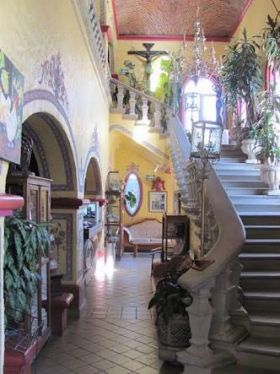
{"points": [[265, 319], [263, 346], [270, 274]]}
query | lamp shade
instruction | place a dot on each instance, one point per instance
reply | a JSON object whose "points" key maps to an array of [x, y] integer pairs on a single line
{"points": [[206, 139]]}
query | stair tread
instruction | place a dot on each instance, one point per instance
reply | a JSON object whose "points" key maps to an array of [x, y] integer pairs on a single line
{"points": [[264, 241], [262, 226], [242, 369], [263, 318], [266, 346], [262, 213], [260, 274], [259, 255], [262, 294]]}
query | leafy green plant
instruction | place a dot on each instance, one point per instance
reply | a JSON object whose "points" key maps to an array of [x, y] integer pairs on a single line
{"points": [[264, 130], [24, 241], [130, 199], [241, 75], [170, 298], [271, 40]]}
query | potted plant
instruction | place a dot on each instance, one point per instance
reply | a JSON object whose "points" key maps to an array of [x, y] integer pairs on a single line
{"points": [[130, 199], [24, 241], [271, 40], [241, 79], [170, 301], [267, 137]]}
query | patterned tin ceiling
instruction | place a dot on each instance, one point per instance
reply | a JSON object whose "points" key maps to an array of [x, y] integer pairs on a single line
{"points": [[174, 18]]}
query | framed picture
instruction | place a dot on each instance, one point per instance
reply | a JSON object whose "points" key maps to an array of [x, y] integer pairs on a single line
{"points": [[11, 103], [157, 201]]}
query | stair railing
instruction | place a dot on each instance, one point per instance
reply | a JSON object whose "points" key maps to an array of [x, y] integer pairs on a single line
{"points": [[224, 237], [137, 105]]}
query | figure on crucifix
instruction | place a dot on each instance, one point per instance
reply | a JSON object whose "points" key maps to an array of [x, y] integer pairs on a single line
{"points": [[149, 57]]}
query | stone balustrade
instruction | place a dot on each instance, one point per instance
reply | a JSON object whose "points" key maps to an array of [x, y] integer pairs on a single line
{"points": [[214, 289], [134, 104]]}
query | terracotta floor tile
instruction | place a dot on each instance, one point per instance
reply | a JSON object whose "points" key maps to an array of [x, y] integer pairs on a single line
{"points": [[115, 333]]}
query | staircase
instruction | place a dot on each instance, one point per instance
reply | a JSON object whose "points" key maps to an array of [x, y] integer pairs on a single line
{"points": [[260, 257]]}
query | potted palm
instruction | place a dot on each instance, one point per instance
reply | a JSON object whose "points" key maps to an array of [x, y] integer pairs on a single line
{"points": [[265, 132], [271, 40], [241, 79]]}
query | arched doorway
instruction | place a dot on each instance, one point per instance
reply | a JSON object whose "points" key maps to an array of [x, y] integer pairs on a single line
{"points": [[93, 238], [53, 157]]}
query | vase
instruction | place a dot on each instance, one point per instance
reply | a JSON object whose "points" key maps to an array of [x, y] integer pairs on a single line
{"points": [[251, 148], [270, 174]]}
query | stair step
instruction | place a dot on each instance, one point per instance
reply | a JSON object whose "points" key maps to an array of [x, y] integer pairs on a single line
{"points": [[260, 261], [263, 318], [260, 280], [261, 246], [262, 346], [258, 199], [262, 232], [261, 209], [235, 166], [262, 219], [243, 183], [262, 300], [233, 191], [243, 369], [233, 177], [232, 158]]}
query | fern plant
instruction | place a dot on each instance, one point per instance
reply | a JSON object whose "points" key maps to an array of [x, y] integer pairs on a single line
{"points": [[24, 242]]}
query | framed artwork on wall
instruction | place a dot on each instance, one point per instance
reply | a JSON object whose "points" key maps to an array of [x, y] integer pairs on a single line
{"points": [[157, 201], [11, 103]]}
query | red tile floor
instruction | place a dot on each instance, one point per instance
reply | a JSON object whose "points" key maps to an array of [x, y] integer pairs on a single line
{"points": [[116, 332]]}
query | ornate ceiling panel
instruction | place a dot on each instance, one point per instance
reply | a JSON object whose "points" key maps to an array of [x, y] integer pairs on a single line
{"points": [[173, 18]]}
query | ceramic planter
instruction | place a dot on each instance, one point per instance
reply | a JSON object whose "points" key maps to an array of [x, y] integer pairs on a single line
{"points": [[251, 148], [270, 174]]}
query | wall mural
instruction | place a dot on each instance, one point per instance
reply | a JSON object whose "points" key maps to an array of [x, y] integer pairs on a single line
{"points": [[62, 246], [11, 104], [52, 76]]}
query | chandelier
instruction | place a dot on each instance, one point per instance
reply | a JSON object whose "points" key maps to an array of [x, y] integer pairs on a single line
{"points": [[192, 63], [199, 61]]}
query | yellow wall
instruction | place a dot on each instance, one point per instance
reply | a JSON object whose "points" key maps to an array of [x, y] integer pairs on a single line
{"points": [[255, 17], [31, 32], [123, 46], [124, 152]]}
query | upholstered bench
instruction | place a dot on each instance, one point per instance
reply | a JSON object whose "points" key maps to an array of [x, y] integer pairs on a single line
{"points": [[143, 235]]}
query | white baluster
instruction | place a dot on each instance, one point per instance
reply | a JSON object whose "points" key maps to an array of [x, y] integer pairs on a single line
{"points": [[145, 109], [222, 331], [199, 358], [132, 102], [120, 98], [157, 116]]}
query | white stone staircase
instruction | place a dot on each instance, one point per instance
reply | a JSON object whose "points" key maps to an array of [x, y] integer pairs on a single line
{"points": [[260, 257]]}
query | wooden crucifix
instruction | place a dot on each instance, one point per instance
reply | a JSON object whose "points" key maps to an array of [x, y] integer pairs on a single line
{"points": [[148, 55]]}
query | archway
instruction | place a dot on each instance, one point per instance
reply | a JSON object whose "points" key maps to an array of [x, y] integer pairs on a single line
{"points": [[52, 158], [93, 238]]}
